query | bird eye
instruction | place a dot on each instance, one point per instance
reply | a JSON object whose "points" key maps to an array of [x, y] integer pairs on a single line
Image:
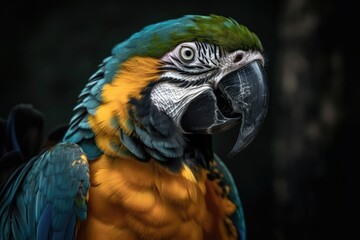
{"points": [[187, 54]]}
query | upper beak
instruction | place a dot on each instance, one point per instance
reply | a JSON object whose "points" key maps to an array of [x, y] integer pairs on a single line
{"points": [[241, 95], [246, 90]]}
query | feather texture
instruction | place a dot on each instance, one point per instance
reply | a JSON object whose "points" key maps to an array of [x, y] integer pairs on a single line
{"points": [[38, 201], [219, 172]]}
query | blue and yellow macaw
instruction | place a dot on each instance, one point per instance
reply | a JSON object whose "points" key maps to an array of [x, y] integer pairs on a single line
{"points": [[136, 161]]}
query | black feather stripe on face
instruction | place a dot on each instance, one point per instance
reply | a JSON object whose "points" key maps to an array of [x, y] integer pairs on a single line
{"points": [[169, 146], [206, 60]]}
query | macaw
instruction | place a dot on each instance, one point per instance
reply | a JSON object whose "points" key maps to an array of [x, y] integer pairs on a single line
{"points": [[136, 161]]}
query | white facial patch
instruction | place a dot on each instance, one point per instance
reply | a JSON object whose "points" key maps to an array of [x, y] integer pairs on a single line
{"points": [[173, 100]]}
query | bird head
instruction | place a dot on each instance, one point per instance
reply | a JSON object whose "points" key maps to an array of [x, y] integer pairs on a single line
{"points": [[170, 86]]}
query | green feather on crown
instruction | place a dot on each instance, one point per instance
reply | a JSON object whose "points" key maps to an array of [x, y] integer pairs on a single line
{"points": [[157, 39]]}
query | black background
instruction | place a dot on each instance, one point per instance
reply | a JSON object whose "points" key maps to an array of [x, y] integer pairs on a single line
{"points": [[297, 178]]}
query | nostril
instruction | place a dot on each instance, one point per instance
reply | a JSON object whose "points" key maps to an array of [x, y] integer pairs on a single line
{"points": [[238, 57]]}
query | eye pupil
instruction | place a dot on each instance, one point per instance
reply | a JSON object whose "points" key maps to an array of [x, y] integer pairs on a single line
{"points": [[188, 53]]}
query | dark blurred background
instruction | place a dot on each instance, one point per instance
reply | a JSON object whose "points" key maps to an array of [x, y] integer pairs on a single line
{"points": [[297, 178]]}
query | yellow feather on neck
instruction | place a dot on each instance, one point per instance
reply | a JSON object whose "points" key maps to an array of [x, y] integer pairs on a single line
{"points": [[131, 79]]}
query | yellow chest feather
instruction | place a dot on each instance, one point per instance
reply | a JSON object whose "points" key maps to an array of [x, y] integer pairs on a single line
{"points": [[129, 199]]}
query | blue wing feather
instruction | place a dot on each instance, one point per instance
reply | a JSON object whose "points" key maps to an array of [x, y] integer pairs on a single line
{"points": [[89, 99], [88, 145], [41, 199], [43, 228]]}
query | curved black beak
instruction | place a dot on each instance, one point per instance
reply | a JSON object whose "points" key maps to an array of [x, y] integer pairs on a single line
{"points": [[246, 90], [240, 96]]}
